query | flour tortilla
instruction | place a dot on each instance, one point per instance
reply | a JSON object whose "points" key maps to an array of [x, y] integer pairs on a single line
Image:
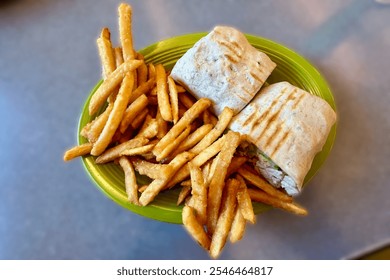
{"points": [[223, 67], [289, 125]]}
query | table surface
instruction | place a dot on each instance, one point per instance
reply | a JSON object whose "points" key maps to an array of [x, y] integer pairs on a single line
{"points": [[48, 64]]}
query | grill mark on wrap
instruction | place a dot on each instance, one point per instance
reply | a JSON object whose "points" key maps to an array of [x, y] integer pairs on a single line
{"points": [[298, 101], [280, 143], [232, 49], [255, 76]]}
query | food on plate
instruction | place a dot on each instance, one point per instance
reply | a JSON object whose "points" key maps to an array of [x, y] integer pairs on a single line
{"points": [[223, 67], [145, 122], [285, 128]]}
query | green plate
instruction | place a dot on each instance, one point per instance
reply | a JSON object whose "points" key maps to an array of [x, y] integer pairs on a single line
{"points": [[291, 67]]}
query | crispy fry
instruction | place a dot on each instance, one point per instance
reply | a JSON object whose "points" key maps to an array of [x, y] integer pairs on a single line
{"points": [[118, 56], [132, 111], [189, 116], [180, 89], [144, 88], [259, 182], [217, 183], [225, 219], [130, 180], [186, 100], [235, 164], [151, 71], [106, 52], [161, 124], [194, 228], [244, 201], [173, 145], [125, 31], [162, 93], [263, 197], [99, 123], [77, 151], [115, 116], [149, 128], [184, 193], [142, 71], [139, 119], [199, 193], [238, 227], [194, 138], [174, 99], [158, 184], [114, 152], [110, 83], [224, 120], [152, 170], [138, 151]]}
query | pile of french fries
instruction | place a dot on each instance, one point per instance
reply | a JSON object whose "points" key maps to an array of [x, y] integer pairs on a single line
{"points": [[152, 126]]}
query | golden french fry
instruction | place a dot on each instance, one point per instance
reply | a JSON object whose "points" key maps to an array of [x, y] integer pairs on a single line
{"points": [[194, 138], [189, 116], [186, 100], [184, 193], [238, 227], [132, 111], [263, 197], [144, 88], [217, 183], [162, 93], [152, 170], [118, 56], [235, 164], [99, 123], [106, 52], [158, 184], [110, 83], [194, 228], [174, 99], [161, 124], [244, 201], [130, 180], [261, 183], [225, 219], [149, 128], [114, 152], [151, 71], [142, 71], [138, 151], [140, 118], [199, 193], [180, 89], [77, 151], [125, 31], [173, 145], [115, 116], [224, 120]]}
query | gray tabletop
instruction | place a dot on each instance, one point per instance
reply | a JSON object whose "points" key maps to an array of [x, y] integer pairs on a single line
{"points": [[48, 64]]}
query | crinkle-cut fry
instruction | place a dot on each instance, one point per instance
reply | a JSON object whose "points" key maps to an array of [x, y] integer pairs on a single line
{"points": [[162, 125], [224, 119], [130, 180], [189, 116], [225, 219], [138, 151], [99, 123], [114, 152], [144, 88], [244, 201], [162, 93], [132, 111], [194, 138], [184, 193], [174, 99], [217, 182], [142, 71], [110, 83], [118, 56], [152, 170], [235, 164], [199, 193], [173, 145], [125, 31], [257, 181], [115, 117], [198, 160], [238, 227], [194, 228], [158, 184], [149, 128], [140, 118], [263, 197], [80, 150]]}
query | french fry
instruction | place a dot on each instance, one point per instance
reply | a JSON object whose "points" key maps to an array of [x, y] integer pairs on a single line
{"points": [[99, 123], [125, 31], [152, 170], [173, 95], [184, 193], [235, 164], [199, 193], [194, 228], [115, 116], [173, 145], [77, 151], [217, 183], [238, 227], [142, 71], [224, 120], [158, 184], [194, 138], [130, 180], [138, 151], [259, 182], [144, 88], [244, 201], [263, 197], [114, 152], [132, 111], [189, 116], [186, 100], [162, 93], [140, 118], [118, 56], [106, 52], [149, 128], [225, 219], [151, 71], [110, 83], [180, 89], [162, 125]]}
